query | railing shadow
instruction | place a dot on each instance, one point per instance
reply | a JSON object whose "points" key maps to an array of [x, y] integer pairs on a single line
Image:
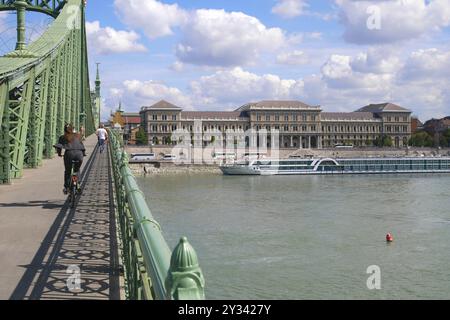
{"points": [[83, 237], [44, 204]]}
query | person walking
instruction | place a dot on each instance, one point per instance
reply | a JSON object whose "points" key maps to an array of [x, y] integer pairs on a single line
{"points": [[102, 135]]}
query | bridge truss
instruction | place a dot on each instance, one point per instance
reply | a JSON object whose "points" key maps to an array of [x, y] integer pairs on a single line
{"points": [[43, 86]]}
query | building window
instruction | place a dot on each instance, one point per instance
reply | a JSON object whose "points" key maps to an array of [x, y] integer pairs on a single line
{"points": [[277, 118], [174, 127], [258, 117], [304, 129], [313, 128], [286, 117], [294, 117], [286, 128], [155, 117], [267, 117], [294, 128], [164, 117], [174, 117], [304, 117]]}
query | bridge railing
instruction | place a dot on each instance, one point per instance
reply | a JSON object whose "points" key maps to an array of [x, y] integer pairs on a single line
{"points": [[152, 271]]}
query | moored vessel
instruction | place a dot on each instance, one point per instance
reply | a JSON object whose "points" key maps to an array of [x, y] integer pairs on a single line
{"points": [[338, 166]]}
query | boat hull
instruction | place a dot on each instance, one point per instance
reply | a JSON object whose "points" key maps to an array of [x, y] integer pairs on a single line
{"points": [[239, 171]]}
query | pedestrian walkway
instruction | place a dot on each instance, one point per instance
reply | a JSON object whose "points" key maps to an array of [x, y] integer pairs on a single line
{"points": [[46, 246]]}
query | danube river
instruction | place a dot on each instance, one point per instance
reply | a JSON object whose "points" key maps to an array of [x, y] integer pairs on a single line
{"points": [[310, 237]]}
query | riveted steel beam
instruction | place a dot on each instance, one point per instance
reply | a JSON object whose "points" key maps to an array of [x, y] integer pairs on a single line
{"points": [[49, 7]]}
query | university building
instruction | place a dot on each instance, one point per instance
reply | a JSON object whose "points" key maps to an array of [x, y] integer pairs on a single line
{"points": [[299, 125]]}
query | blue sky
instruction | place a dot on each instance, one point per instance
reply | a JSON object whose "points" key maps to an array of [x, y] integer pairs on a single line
{"points": [[220, 54]]}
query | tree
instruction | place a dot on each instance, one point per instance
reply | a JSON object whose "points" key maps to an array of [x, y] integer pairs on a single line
{"points": [[421, 139], [444, 140], [141, 137], [387, 141]]}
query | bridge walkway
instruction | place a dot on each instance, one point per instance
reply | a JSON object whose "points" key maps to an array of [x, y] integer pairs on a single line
{"points": [[43, 243]]}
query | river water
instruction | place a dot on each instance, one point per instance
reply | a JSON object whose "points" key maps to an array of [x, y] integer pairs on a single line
{"points": [[310, 237]]}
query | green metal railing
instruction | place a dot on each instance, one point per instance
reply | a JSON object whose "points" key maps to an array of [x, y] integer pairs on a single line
{"points": [[152, 271]]}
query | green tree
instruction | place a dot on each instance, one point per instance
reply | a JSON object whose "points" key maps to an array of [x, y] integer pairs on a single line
{"points": [[387, 141], [421, 139], [141, 137], [444, 140]]}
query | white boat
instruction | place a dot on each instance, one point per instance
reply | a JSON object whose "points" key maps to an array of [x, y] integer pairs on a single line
{"points": [[338, 166]]}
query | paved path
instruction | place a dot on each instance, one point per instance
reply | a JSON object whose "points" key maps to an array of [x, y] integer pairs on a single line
{"points": [[43, 241]]}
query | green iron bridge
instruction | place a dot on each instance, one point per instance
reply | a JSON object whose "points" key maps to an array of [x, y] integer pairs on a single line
{"points": [[109, 246]]}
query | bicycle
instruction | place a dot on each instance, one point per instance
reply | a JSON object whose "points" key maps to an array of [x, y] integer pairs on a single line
{"points": [[74, 188]]}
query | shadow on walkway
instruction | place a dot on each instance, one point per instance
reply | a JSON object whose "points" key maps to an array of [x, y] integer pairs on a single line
{"points": [[44, 204], [83, 238]]}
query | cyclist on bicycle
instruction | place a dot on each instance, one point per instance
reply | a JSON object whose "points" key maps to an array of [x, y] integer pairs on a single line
{"points": [[75, 151], [102, 135]]}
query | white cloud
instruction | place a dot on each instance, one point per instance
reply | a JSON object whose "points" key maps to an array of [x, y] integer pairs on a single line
{"points": [[156, 19], [219, 38], [209, 37], [289, 8], [108, 40], [237, 86], [293, 58], [398, 19], [432, 64], [377, 60], [148, 92], [177, 66]]}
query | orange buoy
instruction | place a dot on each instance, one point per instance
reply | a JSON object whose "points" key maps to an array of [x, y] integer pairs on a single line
{"points": [[389, 238]]}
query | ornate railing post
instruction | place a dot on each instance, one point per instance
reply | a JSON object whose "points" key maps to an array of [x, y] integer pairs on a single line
{"points": [[185, 278]]}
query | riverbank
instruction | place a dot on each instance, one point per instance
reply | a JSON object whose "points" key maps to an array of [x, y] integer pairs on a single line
{"points": [[141, 169], [160, 151]]}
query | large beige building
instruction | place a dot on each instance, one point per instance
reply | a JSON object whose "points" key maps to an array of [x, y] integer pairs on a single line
{"points": [[299, 125]]}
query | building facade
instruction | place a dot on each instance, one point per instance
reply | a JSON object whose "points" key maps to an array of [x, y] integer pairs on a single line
{"points": [[299, 125], [128, 122]]}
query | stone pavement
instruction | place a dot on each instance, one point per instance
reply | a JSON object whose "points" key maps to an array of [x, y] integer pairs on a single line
{"points": [[45, 246]]}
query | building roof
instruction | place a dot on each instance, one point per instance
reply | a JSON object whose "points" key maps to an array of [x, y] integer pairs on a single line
{"points": [[348, 116], [162, 105], [277, 105], [383, 107], [131, 120], [212, 115]]}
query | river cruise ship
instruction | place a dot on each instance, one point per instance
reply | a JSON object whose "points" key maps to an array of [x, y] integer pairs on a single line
{"points": [[338, 166]]}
